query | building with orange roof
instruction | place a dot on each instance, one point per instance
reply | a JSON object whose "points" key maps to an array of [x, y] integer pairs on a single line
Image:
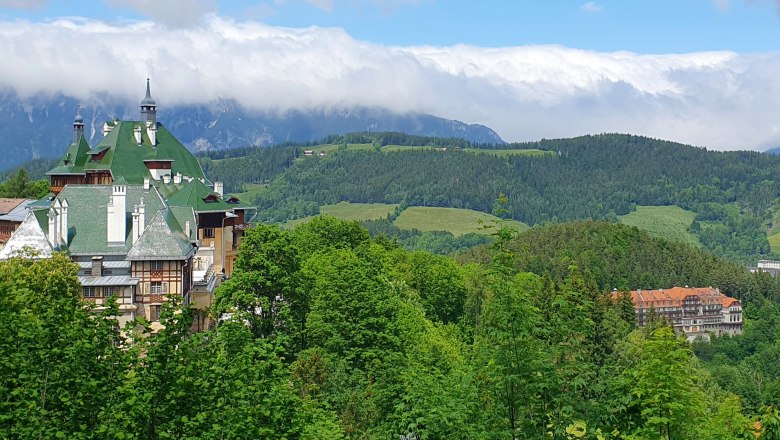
{"points": [[696, 312]]}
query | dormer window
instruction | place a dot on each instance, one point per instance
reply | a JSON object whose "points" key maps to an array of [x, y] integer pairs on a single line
{"points": [[233, 200], [211, 198], [98, 155]]}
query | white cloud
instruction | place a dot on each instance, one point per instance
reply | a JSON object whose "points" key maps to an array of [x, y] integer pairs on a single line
{"points": [[169, 12], [591, 7], [23, 4], [716, 99]]}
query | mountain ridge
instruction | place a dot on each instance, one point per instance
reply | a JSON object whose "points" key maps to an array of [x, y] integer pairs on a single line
{"points": [[39, 126]]}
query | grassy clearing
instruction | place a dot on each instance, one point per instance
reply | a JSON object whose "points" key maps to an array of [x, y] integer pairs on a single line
{"points": [[774, 242], [389, 148], [358, 211], [454, 220], [249, 191], [527, 152], [669, 222], [773, 234], [327, 148], [350, 211]]}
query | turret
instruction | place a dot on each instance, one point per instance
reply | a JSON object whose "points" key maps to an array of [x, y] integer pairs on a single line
{"points": [[149, 113], [78, 128]]}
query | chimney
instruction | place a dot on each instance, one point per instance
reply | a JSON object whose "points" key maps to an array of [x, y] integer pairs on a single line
{"points": [[151, 131], [218, 188], [136, 228], [53, 239], [106, 129], [64, 223], [115, 227], [137, 133], [141, 217], [166, 178], [97, 266], [187, 229], [146, 183], [177, 178]]}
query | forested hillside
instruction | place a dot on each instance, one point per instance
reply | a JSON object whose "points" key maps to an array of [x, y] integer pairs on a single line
{"points": [[734, 195], [590, 177], [332, 334]]}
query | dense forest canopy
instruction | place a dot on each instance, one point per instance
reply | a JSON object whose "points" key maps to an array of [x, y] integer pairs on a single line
{"points": [[325, 332], [592, 177]]}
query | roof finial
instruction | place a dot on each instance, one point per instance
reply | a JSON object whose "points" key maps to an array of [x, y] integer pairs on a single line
{"points": [[148, 93]]}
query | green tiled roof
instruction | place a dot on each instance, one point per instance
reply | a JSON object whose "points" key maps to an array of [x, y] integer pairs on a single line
{"points": [[87, 216], [195, 194], [125, 158], [73, 160], [184, 214], [163, 239], [43, 202]]}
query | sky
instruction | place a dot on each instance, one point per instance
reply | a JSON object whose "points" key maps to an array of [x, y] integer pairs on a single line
{"points": [[702, 72]]}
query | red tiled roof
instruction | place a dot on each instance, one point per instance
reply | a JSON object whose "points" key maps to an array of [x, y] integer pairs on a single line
{"points": [[675, 296], [7, 205]]}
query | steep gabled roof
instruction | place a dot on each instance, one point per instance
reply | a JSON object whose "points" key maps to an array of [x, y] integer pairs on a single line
{"points": [[163, 239], [119, 152], [29, 235], [87, 216], [73, 160], [201, 198], [184, 214]]}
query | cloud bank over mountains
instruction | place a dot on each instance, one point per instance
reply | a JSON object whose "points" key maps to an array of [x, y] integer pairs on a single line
{"points": [[721, 100]]}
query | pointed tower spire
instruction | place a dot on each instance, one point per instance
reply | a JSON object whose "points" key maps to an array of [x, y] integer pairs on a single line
{"points": [[149, 107]]}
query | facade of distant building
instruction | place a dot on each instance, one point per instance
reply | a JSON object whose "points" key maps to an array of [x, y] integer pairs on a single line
{"points": [[695, 312], [12, 213], [138, 215], [771, 267]]}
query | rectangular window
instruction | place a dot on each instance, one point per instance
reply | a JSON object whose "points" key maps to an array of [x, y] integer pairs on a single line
{"points": [[156, 288], [109, 291], [90, 292], [154, 312], [157, 265], [208, 232]]}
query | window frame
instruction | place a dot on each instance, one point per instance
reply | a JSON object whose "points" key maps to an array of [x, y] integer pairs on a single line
{"points": [[154, 312], [90, 292]]}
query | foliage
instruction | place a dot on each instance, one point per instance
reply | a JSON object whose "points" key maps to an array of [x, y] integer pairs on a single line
{"points": [[324, 332], [19, 185]]}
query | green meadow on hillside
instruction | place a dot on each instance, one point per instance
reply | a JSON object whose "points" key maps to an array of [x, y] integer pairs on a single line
{"points": [[327, 148], [454, 220], [350, 211], [249, 191], [510, 152], [669, 222]]}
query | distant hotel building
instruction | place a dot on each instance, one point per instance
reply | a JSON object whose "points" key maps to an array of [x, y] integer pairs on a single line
{"points": [[694, 312], [771, 267]]}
